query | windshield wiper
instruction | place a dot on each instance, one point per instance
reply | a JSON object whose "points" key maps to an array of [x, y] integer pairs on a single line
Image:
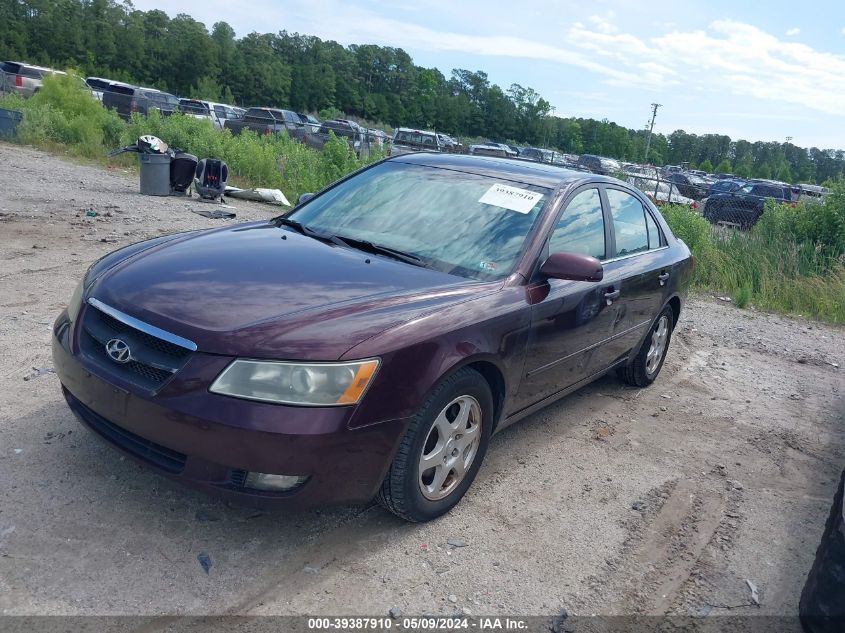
{"points": [[304, 230], [378, 249]]}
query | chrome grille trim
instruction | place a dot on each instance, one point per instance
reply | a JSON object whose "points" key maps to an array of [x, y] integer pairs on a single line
{"points": [[142, 326]]}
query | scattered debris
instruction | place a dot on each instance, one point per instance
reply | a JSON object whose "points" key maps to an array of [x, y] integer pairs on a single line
{"points": [[37, 372], [18, 451], [664, 409], [308, 569], [453, 598], [755, 598], [395, 613], [215, 215], [456, 542], [91, 213], [205, 561], [728, 299], [638, 505]]}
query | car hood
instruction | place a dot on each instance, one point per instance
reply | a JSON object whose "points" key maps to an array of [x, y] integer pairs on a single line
{"points": [[267, 292]]}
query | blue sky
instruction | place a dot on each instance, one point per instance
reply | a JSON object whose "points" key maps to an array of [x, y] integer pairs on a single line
{"points": [[716, 66]]}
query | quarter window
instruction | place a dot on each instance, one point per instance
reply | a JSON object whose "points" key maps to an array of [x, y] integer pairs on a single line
{"points": [[629, 223], [580, 228]]}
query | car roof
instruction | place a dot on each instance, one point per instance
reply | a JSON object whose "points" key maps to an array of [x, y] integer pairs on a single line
{"points": [[539, 174]]}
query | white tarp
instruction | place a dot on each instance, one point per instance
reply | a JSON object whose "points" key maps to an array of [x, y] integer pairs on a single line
{"points": [[271, 196]]}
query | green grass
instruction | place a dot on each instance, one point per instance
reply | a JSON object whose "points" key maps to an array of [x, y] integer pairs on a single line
{"points": [[62, 116], [792, 261]]}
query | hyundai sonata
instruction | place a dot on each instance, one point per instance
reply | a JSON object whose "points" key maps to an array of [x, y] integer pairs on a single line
{"points": [[370, 342]]}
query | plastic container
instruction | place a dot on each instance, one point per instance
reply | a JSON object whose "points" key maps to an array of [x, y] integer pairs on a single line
{"points": [[9, 120], [155, 174]]}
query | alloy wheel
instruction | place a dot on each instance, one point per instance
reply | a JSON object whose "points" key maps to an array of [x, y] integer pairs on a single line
{"points": [[450, 447]]}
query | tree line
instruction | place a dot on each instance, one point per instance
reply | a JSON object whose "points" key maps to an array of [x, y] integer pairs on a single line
{"points": [[377, 83]]}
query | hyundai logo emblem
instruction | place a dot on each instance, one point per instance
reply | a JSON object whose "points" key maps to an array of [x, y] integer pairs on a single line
{"points": [[118, 351]]}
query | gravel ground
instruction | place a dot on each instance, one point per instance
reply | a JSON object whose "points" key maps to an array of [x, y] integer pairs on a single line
{"points": [[612, 501]]}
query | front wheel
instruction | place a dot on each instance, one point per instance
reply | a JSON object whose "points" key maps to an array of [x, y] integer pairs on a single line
{"points": [[442, 449], [643, 370]]}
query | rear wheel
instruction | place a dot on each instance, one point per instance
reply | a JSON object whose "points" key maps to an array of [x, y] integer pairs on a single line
{"points": [[643, 370], [442, 449]]}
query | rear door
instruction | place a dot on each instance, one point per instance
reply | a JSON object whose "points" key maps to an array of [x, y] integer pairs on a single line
{"points": [[636, 275]]}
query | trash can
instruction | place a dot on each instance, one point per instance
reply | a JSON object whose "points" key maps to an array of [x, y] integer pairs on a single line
{"points": [[9, 120], [155, 174]]}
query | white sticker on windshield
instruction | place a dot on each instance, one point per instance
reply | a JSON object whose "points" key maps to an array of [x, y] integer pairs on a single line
{"points": [[512, 198]]}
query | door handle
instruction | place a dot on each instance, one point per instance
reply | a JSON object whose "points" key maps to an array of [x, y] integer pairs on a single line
{"points": [[610, 294], [663, 277]]}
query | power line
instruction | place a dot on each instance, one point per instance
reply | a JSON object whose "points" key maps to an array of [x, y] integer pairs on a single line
{"points": [[654, 107]]}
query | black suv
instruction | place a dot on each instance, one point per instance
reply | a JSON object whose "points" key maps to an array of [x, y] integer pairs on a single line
{"points": [[745, 205], [127, 99]]}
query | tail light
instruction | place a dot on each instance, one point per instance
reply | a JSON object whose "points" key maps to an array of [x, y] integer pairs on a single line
{"points": [[19, 81], [694, 205], [133, 105]]}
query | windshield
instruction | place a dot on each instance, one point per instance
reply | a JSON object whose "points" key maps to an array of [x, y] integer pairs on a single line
{"points": [[463, 224]]}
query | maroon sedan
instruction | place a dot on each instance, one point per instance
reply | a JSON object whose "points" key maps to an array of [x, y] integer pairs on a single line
{"points": [[370, 342]]}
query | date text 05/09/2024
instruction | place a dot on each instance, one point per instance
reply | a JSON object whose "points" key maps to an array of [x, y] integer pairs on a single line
{"points": [[421, 624]]}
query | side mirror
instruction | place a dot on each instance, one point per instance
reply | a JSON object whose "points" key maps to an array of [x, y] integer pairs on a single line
{"points": [[573, 267], [304, 197]]}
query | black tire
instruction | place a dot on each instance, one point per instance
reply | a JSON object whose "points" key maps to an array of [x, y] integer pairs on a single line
{"points": [[400, 492], [636, 373]]}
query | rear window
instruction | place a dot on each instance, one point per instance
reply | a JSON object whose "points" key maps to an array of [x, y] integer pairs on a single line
{"points": [[259, 114], [120, 89], [193, 107], [418, 138]]}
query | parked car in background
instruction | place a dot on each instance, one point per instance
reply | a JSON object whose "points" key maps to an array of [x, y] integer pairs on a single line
{"points": [[23, 79], [813, 193], [744, 206], [375, 349], [216, 113], [447, 143], [533, 153], [126, 99], [688, 184], [354, 134], [311, 123], [661, 192], [599, 164], [725, 186], [491, 148], [725, 176], [269, 121], [408, 140], [98, 85], [376, 137]]}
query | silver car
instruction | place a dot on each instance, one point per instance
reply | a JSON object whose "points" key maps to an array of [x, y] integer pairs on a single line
{"points": [[25, 79]]}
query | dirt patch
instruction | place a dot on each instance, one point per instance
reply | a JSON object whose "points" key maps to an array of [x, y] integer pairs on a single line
{"points": [[612, 501]]}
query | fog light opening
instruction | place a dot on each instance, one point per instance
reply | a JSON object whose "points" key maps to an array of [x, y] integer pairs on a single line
{"points": [[273, 483]]}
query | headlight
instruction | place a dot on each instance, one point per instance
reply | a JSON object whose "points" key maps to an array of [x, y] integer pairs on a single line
{"points": [[75, 302], [309, 384]]}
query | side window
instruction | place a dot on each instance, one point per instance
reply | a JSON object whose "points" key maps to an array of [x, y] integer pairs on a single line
{"points": [[653, 232], [628, 223], [220, 111], [580, 228]]}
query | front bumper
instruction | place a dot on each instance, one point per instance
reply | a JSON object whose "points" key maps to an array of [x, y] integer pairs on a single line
{"points": [[208, 441]]}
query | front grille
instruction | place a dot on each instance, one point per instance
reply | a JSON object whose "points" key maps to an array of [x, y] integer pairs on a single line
{"points": [[153, 360], [144, 449]]}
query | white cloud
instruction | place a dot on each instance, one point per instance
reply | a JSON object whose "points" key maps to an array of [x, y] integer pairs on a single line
{"points": [[793, 31]]}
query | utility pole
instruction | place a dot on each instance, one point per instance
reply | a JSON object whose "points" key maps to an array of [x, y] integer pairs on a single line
{"points": [[654, 107]]}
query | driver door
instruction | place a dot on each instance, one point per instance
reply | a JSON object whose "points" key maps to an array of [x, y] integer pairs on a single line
{"points": [[569, 319]]}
